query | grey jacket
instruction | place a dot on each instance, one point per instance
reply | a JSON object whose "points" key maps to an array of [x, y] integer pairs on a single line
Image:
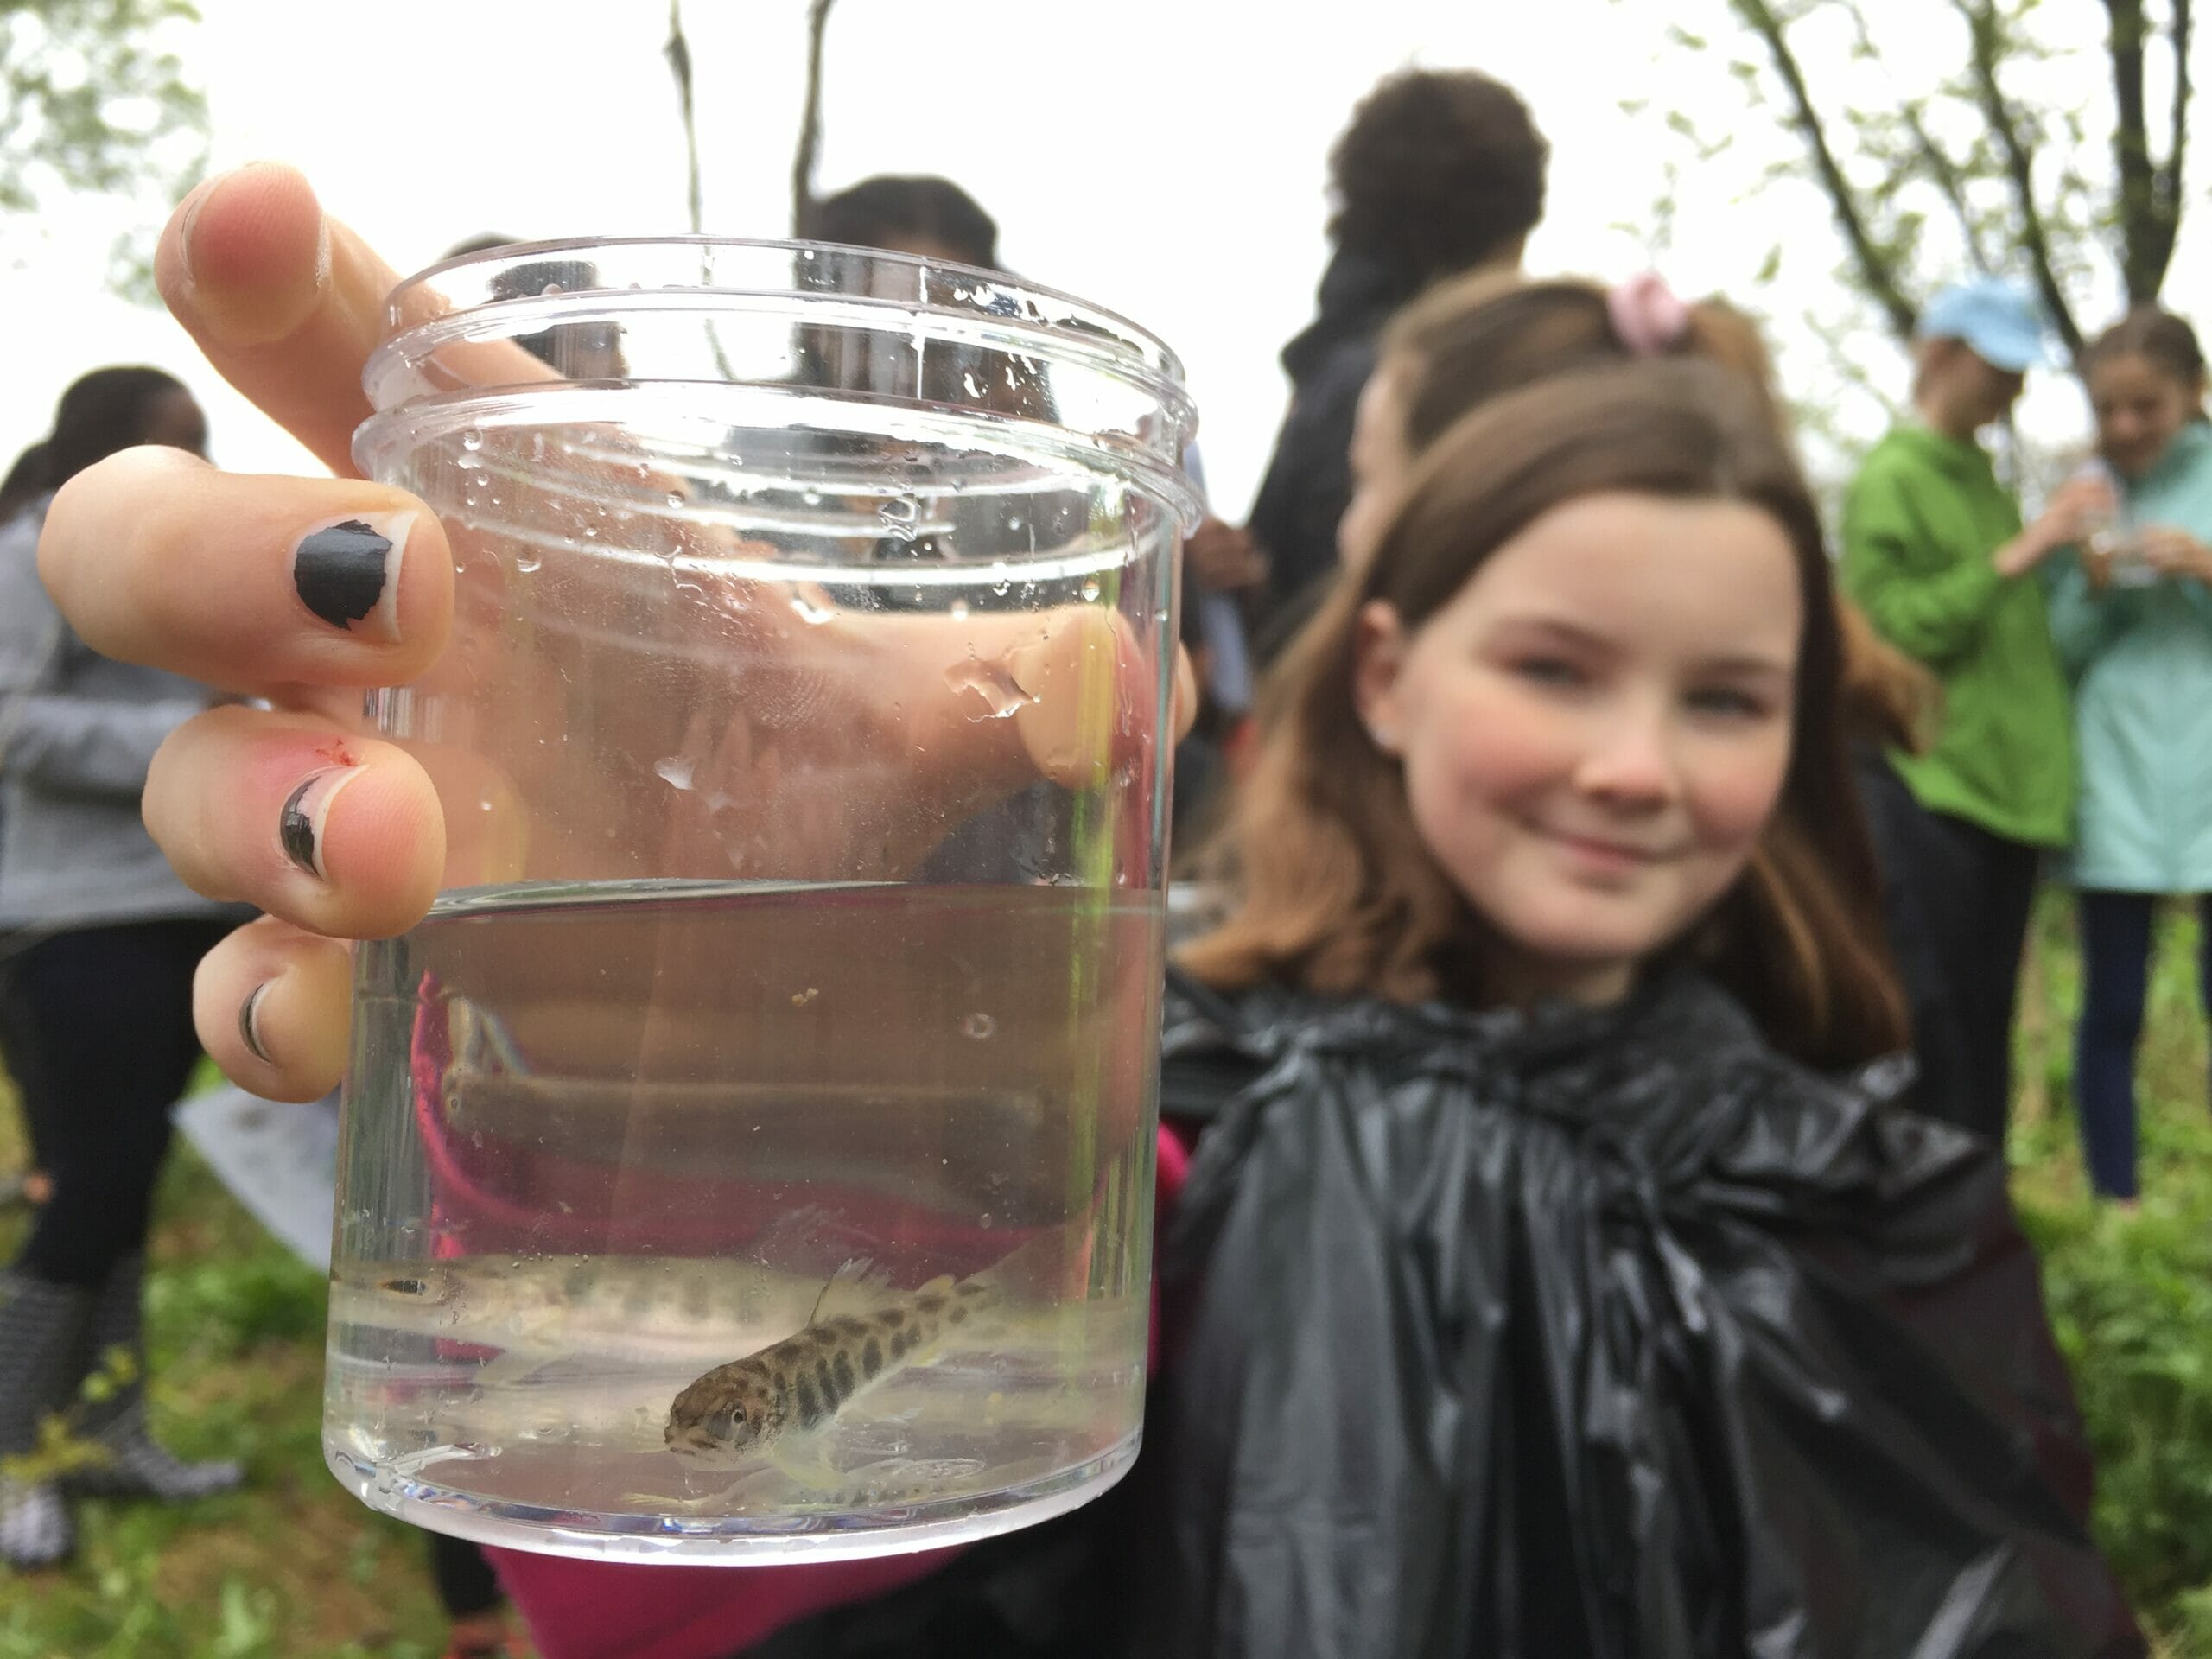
{"points": [[78, 731]]}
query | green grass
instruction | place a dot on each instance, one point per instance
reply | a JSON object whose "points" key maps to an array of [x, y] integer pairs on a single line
{"points": [[2131, 1295], [293, 1566], [290, 1567]]}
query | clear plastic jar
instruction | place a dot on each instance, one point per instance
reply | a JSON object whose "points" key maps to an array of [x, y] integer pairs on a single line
{"points": [[750, 1155]]}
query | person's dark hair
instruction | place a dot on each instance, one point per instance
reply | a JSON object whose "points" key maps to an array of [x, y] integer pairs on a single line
{"points": [[1439, 170], [2161, 338], [103, 412], [483, 244], [897, 208], [536, 276], [1336, 891], [25, 483]]}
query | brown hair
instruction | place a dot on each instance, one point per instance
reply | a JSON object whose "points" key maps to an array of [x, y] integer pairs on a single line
{"points": [[1337, 892], [1888, 698], [2159, 337], [1467, 340]]}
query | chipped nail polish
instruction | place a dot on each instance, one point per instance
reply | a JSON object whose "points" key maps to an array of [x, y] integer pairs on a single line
{"points": [[250, 1025], [305, 809], [346, 571]]}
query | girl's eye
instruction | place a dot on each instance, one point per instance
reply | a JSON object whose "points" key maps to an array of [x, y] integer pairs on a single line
{"points": [[1548, 670], [1728, 702]]}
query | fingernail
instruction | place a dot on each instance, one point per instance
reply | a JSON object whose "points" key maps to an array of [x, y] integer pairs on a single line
{"points": [[346, 571], [306, 810], [250, 1025], [192, 205]]}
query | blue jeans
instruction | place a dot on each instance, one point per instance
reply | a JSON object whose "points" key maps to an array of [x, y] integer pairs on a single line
{"points": [[2115, 974]]}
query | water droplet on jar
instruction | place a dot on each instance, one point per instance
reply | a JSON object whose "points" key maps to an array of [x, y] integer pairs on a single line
{"points": [[1001, 692], [1090, 590], [808, 611], [473, 439], [978, 1026], [676, 497], [958, 610], [551, 288], [528, 564], [675, 771], [811, 497]]}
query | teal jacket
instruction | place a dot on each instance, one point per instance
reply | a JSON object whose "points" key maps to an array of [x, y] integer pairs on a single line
{"points": [[2141, 662]]}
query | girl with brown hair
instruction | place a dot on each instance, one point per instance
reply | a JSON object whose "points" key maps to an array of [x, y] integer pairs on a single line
{"points": [[2131, 615], [1545, 1282]]}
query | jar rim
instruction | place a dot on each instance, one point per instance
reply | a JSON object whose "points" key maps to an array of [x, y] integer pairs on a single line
{"points": [[474, 297], [405, 309]]}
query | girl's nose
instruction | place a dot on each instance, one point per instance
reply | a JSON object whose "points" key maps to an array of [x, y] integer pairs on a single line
{"points": [[1630, 763]]}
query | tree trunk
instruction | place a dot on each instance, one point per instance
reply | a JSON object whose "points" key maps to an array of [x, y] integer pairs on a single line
{"points": [[2150, 193], [678, 53], [809, 125]]}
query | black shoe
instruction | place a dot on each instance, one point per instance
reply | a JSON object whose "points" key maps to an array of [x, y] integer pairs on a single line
{"points": [[113, 1362], [41, 1336]]}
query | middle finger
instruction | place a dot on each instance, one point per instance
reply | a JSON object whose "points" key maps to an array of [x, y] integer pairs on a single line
{"points": [[246, 583]]}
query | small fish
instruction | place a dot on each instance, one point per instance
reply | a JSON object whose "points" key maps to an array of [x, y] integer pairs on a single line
{"points": [[762, 1403], [639, 1308]]}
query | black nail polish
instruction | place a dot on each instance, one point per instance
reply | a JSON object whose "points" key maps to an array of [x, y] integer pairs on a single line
{"points": [[348, 572], [250, 1025], [299, 825]]}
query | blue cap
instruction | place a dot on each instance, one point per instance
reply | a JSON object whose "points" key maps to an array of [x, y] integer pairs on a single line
{"points": [[2001, 323]]}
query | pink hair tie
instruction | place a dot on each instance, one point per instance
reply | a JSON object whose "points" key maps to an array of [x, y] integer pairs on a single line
{"points": [[1646, 314]]}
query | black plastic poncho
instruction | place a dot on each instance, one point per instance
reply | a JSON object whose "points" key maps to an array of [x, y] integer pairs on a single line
{"points": [[1597, 1334]]}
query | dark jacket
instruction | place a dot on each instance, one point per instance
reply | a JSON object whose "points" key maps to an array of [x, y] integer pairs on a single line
{"points": [[1607, 1334], [1309, 482], [1918, 863]]}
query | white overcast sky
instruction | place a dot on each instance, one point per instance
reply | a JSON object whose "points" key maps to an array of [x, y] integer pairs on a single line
{"points": [[1165, 158]]}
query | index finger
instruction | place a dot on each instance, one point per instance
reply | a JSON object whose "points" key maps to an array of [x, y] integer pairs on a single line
{"points": [[285, 301]]}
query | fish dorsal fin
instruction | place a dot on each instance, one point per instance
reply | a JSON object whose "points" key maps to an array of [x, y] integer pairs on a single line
{"points": [[859, 1287]]}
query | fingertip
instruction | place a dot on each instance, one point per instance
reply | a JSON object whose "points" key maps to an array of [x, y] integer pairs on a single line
{"points": [[386, 849], [246, 255], [271, 1006], [1185, 714]]}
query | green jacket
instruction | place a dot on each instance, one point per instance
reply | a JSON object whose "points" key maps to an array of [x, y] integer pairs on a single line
{"points": [[1920, 522], [2142, 663]]}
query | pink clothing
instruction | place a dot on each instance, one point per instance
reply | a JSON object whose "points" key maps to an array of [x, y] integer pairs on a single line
{"points": [[604, 1610]]}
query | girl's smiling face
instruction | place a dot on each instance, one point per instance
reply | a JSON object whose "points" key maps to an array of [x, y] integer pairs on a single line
{"points": [[1595, 729], [2140, 407]]}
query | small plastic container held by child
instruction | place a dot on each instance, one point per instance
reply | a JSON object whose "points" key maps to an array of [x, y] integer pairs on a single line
{"points": [[750, 1156]]}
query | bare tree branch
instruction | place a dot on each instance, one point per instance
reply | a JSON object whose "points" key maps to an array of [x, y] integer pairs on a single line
{"points": [[2131, 146], [1942, 171], [810, 124], [1875, 268], [678, 53], [1983, 29], [2170, 174]]}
